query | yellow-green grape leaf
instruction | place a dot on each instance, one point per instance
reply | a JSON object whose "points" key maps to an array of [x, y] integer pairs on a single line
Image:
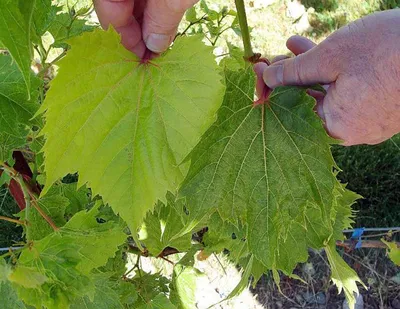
{"points": [[342, 275], [126, 126], [183, 286], [269, 166], [16, 110], [394, 251], [16, 19]]}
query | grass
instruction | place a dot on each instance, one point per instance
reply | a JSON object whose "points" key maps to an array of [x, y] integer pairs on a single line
{"points": [[374, 173]]}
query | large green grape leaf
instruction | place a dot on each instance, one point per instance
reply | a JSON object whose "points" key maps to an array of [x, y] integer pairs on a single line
{"points": [[55, 270], [15, 109], [269, 166], [120, 122]]}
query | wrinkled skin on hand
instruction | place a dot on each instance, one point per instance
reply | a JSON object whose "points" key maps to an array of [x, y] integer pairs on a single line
{"points": [[360, 64], [143, 23]]}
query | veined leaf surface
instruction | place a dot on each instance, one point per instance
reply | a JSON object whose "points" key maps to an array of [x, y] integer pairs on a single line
{"points": [[127, 126], [270, 167]]}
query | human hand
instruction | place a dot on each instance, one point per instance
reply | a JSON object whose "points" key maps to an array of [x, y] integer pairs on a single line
{"points": [[143, 23], [361, 65]]}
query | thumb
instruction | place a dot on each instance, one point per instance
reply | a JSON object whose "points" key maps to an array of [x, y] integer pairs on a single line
{"points": [[319, 65], [161, 20]]}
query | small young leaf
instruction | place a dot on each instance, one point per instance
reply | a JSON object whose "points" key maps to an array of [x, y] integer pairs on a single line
{"points": [[343, 276], [191, 15], [394, 251], [183, 287]]}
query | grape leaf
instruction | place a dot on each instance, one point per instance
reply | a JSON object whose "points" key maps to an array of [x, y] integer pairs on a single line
{"points": [[162, 228], [77, 198], [115, 120], [342, 214], [394, 251], [54, 206], [343, 276], [269, 166], [60, 203], [9, 298], [152, 290], [55, 270], [65, 27], [223, 235], [159, 302], [15, 110], [105, 296], [43, 17], [15, 33], [183, 287]]}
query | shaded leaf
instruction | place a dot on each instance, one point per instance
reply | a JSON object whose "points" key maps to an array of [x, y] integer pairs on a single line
{"points": [[105, 296], [15, 34], [268, 166], [9, 298], [61, 263], [162, 228], [15, 109], [65, 27]]}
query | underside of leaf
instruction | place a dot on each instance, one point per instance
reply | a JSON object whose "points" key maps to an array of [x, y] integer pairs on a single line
{"points": [[125, 126]]}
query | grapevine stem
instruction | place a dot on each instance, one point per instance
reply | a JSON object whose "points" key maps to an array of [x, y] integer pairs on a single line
{"points": [[29, 196], [12, 220], [244, 28]]}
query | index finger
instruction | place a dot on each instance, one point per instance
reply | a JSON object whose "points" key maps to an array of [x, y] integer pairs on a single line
{"points": [[119, 14]]}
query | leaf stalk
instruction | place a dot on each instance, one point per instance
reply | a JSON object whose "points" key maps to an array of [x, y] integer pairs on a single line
{"points": [[244, 28]]}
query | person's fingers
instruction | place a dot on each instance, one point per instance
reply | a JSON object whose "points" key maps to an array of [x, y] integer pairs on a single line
{"points": [[299, 45], [347, 122], [279, 58], [320, 64], [161, 20], [259, 68], [119, 14]]}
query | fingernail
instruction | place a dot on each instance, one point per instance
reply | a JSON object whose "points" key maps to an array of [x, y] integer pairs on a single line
{"points": [[158, 42], [273, 76]]}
